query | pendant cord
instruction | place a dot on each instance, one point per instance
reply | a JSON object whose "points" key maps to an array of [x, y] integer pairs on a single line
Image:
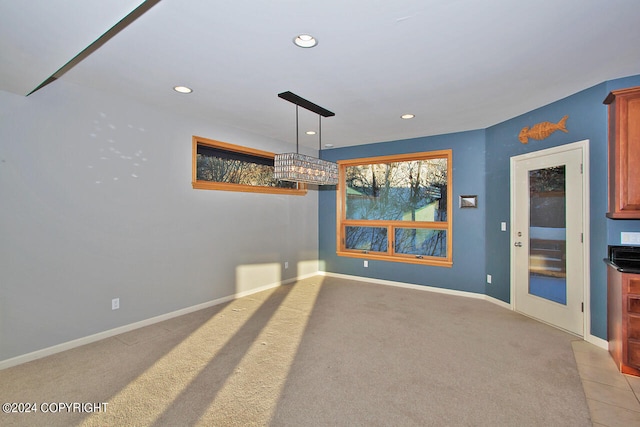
{"points": [[297, 132], [319, 134]]}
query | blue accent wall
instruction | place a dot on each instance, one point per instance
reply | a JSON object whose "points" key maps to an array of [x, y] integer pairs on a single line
{"points": [[587, 120], [481, 161]]}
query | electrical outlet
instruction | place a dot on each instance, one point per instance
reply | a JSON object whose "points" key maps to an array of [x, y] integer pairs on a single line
{"points": [[503, 226], [286, 265], [366, 263], [488, 278], [115, 303]]}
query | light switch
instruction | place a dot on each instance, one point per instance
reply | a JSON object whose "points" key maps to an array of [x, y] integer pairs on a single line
{"points": [[503, 226]]}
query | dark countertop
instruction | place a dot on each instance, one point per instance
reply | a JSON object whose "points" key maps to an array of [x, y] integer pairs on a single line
{"points": [[623, 267]]}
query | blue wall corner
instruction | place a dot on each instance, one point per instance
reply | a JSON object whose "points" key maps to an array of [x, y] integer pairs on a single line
{"points": [[481, 162]]}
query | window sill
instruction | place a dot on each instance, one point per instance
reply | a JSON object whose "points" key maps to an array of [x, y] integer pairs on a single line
{"points": [[208, 185], [408, 259]]}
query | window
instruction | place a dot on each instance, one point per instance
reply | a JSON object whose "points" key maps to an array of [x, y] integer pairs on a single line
{"points": [[222, 166], [396, 208]]}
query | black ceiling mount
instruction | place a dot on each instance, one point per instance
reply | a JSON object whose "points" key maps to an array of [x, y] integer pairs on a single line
{"points": [[292, 97]]}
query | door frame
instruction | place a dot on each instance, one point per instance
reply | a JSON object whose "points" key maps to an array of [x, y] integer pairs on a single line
{"points": [[584, 145]]}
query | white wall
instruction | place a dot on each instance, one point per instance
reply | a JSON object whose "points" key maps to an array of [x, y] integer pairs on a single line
{"points": [[96, 203]]}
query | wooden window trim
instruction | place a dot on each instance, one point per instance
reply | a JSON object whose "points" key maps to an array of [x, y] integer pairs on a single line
{"points": [[210, 185], [342, 222]]}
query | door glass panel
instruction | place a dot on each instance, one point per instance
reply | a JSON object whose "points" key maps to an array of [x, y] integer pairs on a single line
{"points": [[547, 234]]}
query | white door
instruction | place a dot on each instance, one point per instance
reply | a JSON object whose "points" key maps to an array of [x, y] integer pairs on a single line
{"points": [[547, 256]]}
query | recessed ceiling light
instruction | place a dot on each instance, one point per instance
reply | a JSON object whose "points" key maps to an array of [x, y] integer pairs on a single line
{"points": [[311, 132], [328, 145], [407, 116], [305, 40], [182, 89]]}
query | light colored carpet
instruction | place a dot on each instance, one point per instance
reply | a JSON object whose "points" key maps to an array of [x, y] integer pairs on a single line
{"points": [[320, 352]]}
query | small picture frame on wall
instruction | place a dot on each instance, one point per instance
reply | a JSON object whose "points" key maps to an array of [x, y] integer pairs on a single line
{"points": [[469, 201]]}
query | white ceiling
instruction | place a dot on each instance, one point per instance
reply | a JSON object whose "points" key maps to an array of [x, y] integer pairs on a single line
{"points": [[456, 64]]}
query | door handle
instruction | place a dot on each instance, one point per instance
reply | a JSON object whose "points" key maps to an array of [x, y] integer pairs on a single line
{"points": [[518, 244]]}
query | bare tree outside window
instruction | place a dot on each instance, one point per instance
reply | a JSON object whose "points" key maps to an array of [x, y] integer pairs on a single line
{"points": [[398, 191], [397, 206], [234, 171], [222, 166]]}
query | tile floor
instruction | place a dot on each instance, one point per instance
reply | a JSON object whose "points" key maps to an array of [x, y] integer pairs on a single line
{"points": [[613, 398]]}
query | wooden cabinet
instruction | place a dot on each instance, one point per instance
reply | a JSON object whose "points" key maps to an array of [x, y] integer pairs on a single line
{"points": [[623, 311], [624, 153]]}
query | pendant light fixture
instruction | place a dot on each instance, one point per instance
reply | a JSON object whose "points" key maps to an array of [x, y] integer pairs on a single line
{"points": [[298, 167]]}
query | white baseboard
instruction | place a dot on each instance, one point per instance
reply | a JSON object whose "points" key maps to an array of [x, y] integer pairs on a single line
{"points": [[589, 338], [599, 342], [418, 287], [38, 354], [499, 302]]}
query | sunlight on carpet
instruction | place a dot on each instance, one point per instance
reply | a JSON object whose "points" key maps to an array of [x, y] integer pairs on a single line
{"points": [[180, 359], [321, 351], [168, 380], [262, 352]]}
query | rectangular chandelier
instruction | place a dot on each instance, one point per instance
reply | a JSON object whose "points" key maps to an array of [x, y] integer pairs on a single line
{"points": [[298, 167]]}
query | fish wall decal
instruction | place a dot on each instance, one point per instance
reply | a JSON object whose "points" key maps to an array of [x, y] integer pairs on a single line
{"points": [[542, 130]]}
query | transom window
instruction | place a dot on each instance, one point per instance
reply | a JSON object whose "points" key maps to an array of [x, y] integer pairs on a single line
{"points": [[396, 208], [222, 166]]}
